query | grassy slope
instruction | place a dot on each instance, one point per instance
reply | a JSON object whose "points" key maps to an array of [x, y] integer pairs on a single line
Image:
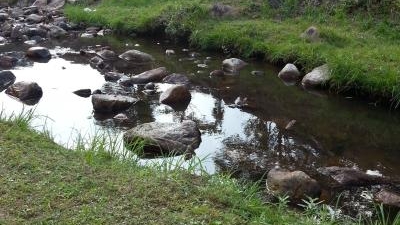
{"points": [[43, 183], [361, 47]]}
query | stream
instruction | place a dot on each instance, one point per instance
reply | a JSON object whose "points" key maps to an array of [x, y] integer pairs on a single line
{"points": [[330, 129]]}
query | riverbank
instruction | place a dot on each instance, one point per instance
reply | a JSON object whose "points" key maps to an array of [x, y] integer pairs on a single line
{"points": [[43, 182], [357, 41]]}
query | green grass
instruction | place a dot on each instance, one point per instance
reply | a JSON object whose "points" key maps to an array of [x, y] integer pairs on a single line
{"points": [[359, 41], [44, 183]]}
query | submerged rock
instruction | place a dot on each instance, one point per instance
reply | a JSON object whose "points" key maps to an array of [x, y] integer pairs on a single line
{"points": [[317, 77], [7, 78], [233, 65], [27, 92], [40, 53], [165, 138], [83, 93], [347, 177], [111, 103], [153, 75], [178, 94], [289, 73], [137, 57], [297, 185]]}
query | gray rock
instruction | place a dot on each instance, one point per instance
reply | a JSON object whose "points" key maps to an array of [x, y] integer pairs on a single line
{"points": [[233, 65], [289, 73], [57, 32], [153, 75], [177, 94], [35, 31], [113, 88], [317, 77], [388, 198], [311, 34], [56, 4], [111, 103], [7, 78], [2, 40], [297, 184], [27, 92], [3, 17], [7, 62], [137, 57], [176, 78], [150, 86], [17, 32], [165, 138], [221, 10], [87, 35], [217, 73], [107, 55], [113, 76], [34, 18], [348, 177], [38, 53]]}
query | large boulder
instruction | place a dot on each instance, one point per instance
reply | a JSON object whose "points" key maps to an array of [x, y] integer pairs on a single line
{"points": [[39, 53], [7, 78], [297, 185], [317, 77], [177, 94], [348, 177], [289, 73], [27, 92], [153, 75], [136, 57], [233, 65], [111, 103], [165, 138]]}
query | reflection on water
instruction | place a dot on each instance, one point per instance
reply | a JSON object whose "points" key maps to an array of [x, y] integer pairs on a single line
{"points": [[330, 130]]}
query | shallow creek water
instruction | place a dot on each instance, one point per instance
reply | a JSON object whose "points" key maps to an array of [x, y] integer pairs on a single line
{"points": [[330, 130]]}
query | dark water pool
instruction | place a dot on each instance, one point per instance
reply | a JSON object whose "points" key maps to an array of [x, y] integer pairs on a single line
{"points": [[330, 130]]}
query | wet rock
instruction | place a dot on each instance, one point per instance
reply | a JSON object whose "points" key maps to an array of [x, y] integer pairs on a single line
{"points": [[35, 31], [40, 53], [97, 62], [311, 34], [165, 138], [290, 125], [31, 10], [107, 55], [4, 17], [233, 65], [136, 57], [113, 88], [297, 184], [317, 77], [97, 91], [111, 103], [7, 78], [243, 103], [176, 78], [153, 75], [30, 42], [17, 32], [121, 118], [2, 40], [388, 198], [169, 52], [289, 73], [7, 62], [85, 93], [178, 94], [87, 35], [113, 76], [34, 18], [221, 10], [347, 177], [93, 30], [27, 92], [150, 86], [257, 73], [217, 73], [57, 32]]}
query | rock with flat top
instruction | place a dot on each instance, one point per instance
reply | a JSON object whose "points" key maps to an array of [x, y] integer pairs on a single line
{"points": [[317, 77]]}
